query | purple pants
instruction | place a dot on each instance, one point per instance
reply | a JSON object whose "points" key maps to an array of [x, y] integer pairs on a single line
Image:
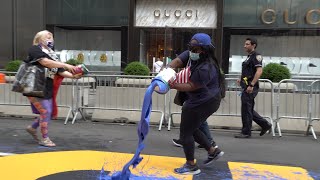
{"points": [[43, 107]]}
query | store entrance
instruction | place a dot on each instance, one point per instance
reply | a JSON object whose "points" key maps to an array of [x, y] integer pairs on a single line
{"points": [[164, 43]]}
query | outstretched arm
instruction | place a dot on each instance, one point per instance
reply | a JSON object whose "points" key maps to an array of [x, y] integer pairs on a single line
{"points": [[67, 74], [55, 64]]}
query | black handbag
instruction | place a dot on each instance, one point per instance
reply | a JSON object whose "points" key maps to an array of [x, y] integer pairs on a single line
{"points": [[180, 98], [30, 80]]}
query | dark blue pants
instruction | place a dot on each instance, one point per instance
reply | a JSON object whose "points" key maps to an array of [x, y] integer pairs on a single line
{"points": [[204, 127], [248, 114]]}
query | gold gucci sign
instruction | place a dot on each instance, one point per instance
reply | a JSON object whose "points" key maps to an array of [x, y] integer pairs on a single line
{"points": [[80, 57], [103, 58], [269, 16]]}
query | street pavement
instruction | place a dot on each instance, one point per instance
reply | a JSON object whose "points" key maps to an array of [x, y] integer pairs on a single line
{"points": [[85, 147]]}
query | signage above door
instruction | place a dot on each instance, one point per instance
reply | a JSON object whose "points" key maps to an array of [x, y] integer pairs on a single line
{"points": [[177, 14]]}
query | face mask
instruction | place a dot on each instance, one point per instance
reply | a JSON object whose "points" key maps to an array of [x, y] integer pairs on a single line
{"points": [[194, 56], [50, 44]]}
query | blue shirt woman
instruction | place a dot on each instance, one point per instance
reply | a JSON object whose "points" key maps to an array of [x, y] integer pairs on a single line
{"points": [[203, 100], [205, 75]]}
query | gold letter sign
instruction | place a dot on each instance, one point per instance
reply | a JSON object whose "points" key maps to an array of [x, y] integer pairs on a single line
{"points": [[273, 17], [309, 16]]}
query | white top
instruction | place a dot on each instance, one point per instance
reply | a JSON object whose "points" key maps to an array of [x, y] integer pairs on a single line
{"points": [[157, 66]]}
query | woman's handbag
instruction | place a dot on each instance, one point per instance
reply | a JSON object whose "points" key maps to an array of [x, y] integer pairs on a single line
{"points": [[30, 80], [180, 98]]}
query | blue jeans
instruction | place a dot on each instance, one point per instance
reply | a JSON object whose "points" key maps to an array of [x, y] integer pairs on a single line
{"points": [[205, 129]]}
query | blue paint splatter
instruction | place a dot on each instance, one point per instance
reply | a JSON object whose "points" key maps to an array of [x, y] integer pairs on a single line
{"points": [[134, 177], [314, 174], [104, 176], [252, 173]]}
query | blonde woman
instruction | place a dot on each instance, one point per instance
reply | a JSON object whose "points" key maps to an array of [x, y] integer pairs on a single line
{"points": [[41, 53]]}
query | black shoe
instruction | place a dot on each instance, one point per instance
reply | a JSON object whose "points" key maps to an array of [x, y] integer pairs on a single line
{"points": [[242, 136], [177, 142], [212, 143], [215, 156], [264, 130]]}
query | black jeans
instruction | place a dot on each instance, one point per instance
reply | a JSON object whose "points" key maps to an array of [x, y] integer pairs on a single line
{"points": [[248, 113], [191, 119]]}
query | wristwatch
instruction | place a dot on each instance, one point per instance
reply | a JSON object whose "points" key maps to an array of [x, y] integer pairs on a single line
{"points": [[250, 85]]}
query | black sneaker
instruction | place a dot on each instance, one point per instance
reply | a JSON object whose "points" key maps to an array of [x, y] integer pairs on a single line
{"points": [[215, 156], [212, 143], [242, 136], [264, 130], [177, 142], [188, 169]]}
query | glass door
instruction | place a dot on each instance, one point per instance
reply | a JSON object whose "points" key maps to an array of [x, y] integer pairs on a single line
{"points": [[164, 44], [168, 43], [154, 45]]}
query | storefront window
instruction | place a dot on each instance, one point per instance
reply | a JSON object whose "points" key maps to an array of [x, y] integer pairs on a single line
{"points": [[287, 33], [164, 43], [299, 53], [100, 50]]}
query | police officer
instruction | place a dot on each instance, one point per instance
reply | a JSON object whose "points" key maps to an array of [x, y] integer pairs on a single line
{"points": [[249, 82]]}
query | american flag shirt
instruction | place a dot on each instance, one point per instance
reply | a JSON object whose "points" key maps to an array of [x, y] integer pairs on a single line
{"points": [[184, 75]]}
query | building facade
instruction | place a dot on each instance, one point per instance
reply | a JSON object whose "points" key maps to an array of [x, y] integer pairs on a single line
{"points": [[287, 33], [112, 33]]}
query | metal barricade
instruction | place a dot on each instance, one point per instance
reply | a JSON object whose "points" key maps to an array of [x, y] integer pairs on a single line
{"points": [[231, 104], [293, 102], [10, 98], [295, 98], [314, 106], [119, 93]]}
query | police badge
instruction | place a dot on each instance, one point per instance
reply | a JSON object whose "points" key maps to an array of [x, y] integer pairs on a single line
{"points": [[259, 58]]}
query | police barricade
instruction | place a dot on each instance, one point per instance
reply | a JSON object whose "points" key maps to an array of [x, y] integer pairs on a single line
{"points": [[231, 105], [116, 93], [293, 102], [9, 98], [314, 106]]}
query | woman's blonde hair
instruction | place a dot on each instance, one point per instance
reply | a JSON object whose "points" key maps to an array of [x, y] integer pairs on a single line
{"points": [[39, 36]]}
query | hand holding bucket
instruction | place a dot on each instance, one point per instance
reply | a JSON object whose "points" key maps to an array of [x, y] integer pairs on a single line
{"points": [[166, 76], [81, 70]]}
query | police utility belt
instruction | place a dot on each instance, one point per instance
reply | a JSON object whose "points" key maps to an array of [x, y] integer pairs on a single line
{"points": [[246, 81]]}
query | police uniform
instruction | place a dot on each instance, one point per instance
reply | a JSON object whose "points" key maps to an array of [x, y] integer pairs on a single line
{"points": [[249, 69]]}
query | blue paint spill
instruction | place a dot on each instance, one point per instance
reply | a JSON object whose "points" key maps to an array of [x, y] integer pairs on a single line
{"points": [[45, 147], [314, 174], [143, 177], [104, 176], [143, 129], [251, 173]]}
